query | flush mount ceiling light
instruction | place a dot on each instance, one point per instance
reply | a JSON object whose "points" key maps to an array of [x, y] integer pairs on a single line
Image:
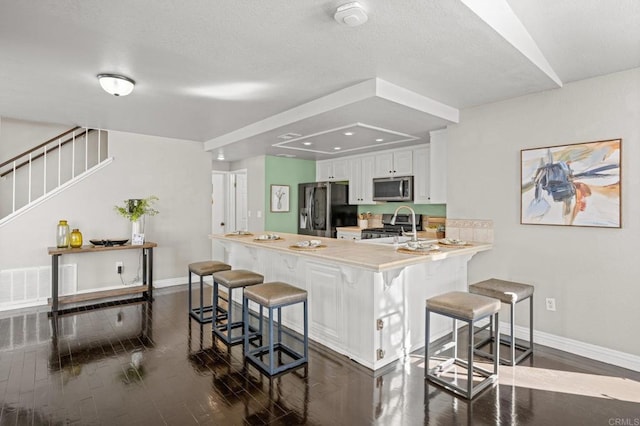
{"points": [[351, 14], [116, 85]]}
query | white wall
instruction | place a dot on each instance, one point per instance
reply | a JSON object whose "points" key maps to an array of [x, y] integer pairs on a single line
{"points": [[593, 273], [177, 171], [16, 136]]}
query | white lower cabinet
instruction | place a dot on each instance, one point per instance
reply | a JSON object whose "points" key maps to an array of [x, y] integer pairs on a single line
{"points": [[324, 287]]}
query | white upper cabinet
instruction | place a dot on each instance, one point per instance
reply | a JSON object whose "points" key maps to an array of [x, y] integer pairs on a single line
{"points": [[421, 175], [333, 170], [398, 163], [361, 183], [438, 166]]}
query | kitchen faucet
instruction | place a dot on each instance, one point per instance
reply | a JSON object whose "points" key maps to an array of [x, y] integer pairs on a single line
{"points": [[414, 236]]}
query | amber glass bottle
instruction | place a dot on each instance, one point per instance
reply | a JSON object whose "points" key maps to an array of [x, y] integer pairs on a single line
{"points": [[76, 238]]}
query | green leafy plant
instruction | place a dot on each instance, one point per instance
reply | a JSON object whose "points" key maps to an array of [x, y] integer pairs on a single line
{"points": [[134, 209]]}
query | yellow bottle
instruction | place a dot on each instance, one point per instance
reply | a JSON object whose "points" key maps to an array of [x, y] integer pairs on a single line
{"points": [[76, 238]]}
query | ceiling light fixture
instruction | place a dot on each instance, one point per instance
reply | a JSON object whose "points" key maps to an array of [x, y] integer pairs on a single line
{"points": [[348, 133], [351, 14], [116, 85], [337, 148], [307, 143]]}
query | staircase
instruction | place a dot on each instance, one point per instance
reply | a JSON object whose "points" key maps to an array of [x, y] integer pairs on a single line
{"points": [[43, 171]]}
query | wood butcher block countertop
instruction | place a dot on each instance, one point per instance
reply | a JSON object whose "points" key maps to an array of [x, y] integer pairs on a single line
{"points": [[367, 256]]}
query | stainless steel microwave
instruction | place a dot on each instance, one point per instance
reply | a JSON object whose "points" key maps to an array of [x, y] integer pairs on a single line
{"points": [[393, 189]]}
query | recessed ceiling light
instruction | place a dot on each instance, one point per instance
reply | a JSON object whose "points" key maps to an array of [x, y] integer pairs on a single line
{"points": [[337, 148], [348, 133], [289, 135], [379, 140], [307, 143]]}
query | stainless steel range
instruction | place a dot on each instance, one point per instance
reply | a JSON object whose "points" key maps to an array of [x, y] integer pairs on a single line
{"points": [[403, 224]]}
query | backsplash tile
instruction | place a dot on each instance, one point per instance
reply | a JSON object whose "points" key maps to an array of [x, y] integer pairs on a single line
{"points": [[470, 230]]}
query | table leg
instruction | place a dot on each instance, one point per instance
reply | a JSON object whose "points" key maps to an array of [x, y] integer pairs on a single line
{"points": [[55, 260], [148, 274]]}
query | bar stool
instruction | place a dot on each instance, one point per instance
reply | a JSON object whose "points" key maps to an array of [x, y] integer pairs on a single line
{"points": [[511, 293], [274, 296], [469, 308], [239, 278], [205, 268]]}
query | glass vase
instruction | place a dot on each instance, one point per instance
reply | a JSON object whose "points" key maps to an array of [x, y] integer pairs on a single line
{"points": [[62, 234], [137, 231]]}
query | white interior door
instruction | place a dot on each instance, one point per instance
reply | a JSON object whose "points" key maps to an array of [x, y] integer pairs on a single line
{"points": [[219, 203], [242, 220]]}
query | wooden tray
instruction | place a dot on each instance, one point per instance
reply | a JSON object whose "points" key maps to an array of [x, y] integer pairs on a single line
{"points": [[463, 244], [258, 240], [310, 248], [235, 234], [419, 252]]}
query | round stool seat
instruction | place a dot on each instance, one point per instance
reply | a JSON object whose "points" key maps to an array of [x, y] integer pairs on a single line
{"points": [[506, 291], [275, 294], [208, 267], [463, 305], [237, 278]]}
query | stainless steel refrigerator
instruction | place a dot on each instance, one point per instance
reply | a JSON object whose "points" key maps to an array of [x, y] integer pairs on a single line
{"points": [[323, 206]]}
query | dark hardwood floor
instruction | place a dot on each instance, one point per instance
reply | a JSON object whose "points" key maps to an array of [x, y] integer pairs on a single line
{"points": [[141, 364]]}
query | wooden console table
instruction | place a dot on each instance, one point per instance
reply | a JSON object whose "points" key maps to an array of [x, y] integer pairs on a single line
{"points": [[147, 276]]}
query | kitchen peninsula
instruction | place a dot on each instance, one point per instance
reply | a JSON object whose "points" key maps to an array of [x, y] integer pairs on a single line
{"points": [[366, 301]]}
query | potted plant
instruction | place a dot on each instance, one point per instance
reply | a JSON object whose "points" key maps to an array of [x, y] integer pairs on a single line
{"points": [[135, 211]]}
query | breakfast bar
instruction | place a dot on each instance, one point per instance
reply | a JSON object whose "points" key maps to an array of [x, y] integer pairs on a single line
{"points": [[366, 301]]}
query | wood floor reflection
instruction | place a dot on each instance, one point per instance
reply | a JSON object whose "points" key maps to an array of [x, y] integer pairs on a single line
{"points": [[138, 364]]}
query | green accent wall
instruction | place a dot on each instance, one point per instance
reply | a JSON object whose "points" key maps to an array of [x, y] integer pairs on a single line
{"points": [[437, 210], [285, 171]]}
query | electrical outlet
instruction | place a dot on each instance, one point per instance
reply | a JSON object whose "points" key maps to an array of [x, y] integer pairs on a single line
{"points": [[551, 304], [119, 267]]}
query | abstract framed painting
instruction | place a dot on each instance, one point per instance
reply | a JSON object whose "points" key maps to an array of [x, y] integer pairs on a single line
{"points": [[572, 185]]}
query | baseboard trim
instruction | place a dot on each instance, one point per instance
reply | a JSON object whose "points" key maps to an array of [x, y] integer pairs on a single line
{"points": [[587, 350], [170, 282]]}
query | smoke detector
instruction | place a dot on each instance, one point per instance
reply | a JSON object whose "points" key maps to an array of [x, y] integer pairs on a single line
{"points": [[351, 14]]}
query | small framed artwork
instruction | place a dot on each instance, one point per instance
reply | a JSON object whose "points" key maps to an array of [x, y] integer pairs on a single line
{"points": [[572, 185], [279, 198]]}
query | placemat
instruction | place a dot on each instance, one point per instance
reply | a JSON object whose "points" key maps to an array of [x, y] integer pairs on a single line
{"points": [[309, 248]]}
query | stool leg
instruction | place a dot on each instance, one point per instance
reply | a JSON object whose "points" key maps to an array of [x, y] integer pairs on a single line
{"points": [[455, 339], [271, 340], [201, 297], [190, 302], [214, 304], [470, 362], [306, 331], [496, 359], [513, 337], [245, 325], [531, 323], [280, 324], [426, 343], [229, 314]]}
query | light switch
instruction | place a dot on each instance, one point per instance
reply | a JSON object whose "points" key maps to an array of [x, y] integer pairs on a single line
{"points": [[259, 214]]}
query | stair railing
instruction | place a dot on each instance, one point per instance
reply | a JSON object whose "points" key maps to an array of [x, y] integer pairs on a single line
{"points": [[56, 162]]}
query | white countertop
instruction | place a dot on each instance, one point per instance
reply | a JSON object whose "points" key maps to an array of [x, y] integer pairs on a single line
{"points": [[373, 257]]}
